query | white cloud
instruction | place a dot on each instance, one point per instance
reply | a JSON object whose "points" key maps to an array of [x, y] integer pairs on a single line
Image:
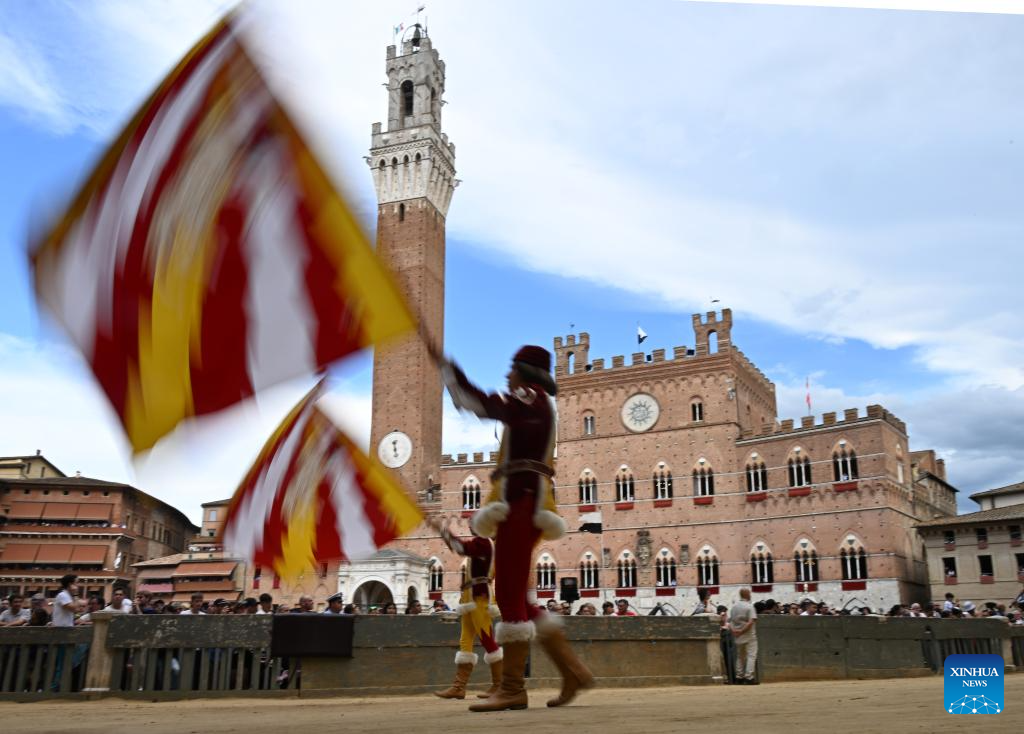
{"points": [[27, 84]]}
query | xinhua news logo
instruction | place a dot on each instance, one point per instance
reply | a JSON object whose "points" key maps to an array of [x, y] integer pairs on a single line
{"points": [[974, 684]]}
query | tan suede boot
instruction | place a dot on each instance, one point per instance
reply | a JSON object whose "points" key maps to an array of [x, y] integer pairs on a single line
{"points": [[511, 693], [495, 660], [575, 675], [458, 687]]}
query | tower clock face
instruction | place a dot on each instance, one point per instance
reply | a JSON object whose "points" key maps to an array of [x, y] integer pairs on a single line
{"points": [[394, 449], [640, 412]]}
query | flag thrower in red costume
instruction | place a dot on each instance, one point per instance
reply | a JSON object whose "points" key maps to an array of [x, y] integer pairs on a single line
{"points": [[519, 511], [475, 611]]}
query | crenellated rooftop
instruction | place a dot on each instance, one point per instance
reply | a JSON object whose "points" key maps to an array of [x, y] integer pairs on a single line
{"points": [[809, 423]]}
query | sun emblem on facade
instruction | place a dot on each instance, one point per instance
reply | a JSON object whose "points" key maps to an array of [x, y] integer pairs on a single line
{"points": [[640, 412]]}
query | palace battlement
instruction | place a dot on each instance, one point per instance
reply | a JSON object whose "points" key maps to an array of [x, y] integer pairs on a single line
{"points": [[469, 459], [810, 422], [572, 352]]}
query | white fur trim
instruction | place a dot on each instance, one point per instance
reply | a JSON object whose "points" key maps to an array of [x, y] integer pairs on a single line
{"points": [[494, 611], [547, 623], [466, 608], [493, 657], [514, 632], [486, 520], [461, 658], [551, 526]]}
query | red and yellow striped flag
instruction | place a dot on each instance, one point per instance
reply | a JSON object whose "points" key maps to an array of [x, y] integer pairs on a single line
{"points": [[311, 496], [208, 255]]}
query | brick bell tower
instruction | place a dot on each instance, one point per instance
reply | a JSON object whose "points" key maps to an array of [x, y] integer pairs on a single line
{"points": [[413, 167]]}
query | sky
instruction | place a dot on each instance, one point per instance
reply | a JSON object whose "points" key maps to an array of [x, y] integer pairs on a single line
{"points": [[847, 181]]}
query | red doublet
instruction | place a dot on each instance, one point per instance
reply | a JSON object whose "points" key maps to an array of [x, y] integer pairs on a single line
{"points": [[529, 420], [480, 552]]}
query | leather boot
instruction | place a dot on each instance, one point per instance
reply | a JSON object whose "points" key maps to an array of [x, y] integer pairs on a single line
{"points": [[458, 687], [511, 693], [575, 675], [495, 660]]}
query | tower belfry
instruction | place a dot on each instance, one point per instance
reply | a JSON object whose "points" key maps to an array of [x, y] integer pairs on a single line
{"points": [[413, 167]]}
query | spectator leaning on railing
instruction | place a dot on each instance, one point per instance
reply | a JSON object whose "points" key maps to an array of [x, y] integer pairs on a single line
{"points": [[16, 614], [119, 603]]}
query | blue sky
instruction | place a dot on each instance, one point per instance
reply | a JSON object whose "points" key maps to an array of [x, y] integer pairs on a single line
{"points": [[846, 180]]}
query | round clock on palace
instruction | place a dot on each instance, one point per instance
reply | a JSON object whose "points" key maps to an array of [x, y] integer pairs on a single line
{"points": [[640, 412], [394, 449]]}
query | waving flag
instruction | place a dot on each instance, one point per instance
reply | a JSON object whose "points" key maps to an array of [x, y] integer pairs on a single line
{"points": [[641, 335], [208, 255], [312, 496]]}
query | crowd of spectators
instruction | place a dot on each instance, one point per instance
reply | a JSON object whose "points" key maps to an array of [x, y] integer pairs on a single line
{"points": [[68, 609]]}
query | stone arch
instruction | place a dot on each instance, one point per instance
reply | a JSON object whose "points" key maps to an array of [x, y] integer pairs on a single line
{"points": [[372, 593]]}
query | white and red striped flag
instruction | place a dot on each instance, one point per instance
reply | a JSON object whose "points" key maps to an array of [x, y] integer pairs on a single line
{"points": [[808, 395], [208, 255], [312, 496]]}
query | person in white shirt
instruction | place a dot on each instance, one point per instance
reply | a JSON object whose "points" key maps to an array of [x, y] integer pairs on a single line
{"points": [[66, 603], [119, 603], [266, 604], [195, 605], [742, 618], [15, 615]]}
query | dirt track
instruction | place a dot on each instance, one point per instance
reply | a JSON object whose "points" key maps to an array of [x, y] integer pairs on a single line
{"points": [[909, 705]]}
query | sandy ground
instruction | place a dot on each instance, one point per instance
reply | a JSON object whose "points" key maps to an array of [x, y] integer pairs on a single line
{"points": [[907, 705]]}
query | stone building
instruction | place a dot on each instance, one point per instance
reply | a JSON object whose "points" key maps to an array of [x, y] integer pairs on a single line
{"points": [[679, 459], [979, 556], [207, 568], [51, 525]]}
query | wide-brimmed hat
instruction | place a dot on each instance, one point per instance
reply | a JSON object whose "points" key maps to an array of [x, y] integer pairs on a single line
{"points": [[534, 364]]}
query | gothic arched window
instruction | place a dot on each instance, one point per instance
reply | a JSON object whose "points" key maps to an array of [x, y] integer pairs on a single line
{"points": [[624, 486], [590, 573], [471, 494], [762, 568], [854, 562], [546, 572], [588, 489], [703, 481], [707, 570], [627, 571], [662, 481], [844, 464], [806, 565], [757, 476], [799, 470], [436, 575], [665, 569]]}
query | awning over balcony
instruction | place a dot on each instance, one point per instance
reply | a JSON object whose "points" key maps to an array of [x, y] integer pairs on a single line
{"points": [[91, 554], [204, 569], [54, 553], [19, 553], [26, 510], [157, 588], [60, 511], [95, 512], [161, 572]]}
